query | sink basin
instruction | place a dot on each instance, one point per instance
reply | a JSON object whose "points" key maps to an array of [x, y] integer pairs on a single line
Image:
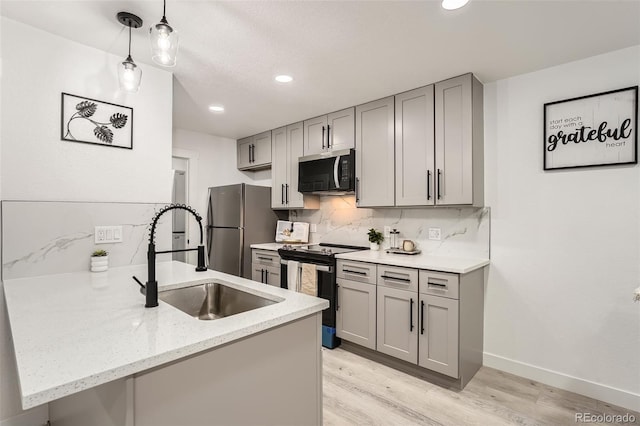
{"points": [[213, 300]]}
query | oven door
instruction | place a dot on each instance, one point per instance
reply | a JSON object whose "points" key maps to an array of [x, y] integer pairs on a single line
{"points": [[326, 287]]}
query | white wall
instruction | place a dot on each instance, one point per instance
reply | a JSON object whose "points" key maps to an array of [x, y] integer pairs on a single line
{"points": [[37, 165], [565, 245], [212, 163]]}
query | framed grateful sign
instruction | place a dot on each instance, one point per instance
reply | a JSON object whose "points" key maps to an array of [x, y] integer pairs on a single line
{"points": [[594, 130]]}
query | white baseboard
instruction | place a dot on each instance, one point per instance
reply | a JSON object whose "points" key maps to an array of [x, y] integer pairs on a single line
{"points": [[34, 417], [599, 391]]}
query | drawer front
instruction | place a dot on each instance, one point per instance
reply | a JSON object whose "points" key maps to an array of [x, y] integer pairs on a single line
{"points": [[356, 271], [266, 258], [439, 284], [398, 277]]}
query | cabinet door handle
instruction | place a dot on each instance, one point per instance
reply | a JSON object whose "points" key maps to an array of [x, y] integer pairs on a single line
{"points": [[337, 293], [348, 271], [322, 137], [270, 259], [428, 184], [438, 184], [386, 277], [422, 317], [436, 284], [411, 315], [266, 276], [262, 276], [357, 190], [286, 193], [328, 136], [282, 192]]}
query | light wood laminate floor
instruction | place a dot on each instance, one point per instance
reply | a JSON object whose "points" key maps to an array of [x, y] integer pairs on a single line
{"points": [[360, 392]]}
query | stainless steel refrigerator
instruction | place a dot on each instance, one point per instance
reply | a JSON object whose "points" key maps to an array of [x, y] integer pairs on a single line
{"points": [[238, 216]]}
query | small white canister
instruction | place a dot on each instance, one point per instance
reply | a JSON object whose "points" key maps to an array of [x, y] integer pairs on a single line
{"points": [[99, 261]]}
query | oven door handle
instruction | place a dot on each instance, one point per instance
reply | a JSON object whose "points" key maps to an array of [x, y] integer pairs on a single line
{"points": [[320, 268]]}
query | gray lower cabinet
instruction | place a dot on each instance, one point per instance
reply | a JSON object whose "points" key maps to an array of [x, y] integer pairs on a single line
{"points": [[375, 169], [397, 333], [428, 318], [438, 338], [266, 275], [356, 312], [265, 267]]}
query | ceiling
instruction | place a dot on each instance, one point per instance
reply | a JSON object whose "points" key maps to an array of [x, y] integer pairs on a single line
{"points": [[340, 53]]}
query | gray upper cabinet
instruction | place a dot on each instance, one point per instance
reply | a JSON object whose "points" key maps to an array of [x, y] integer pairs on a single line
{"points": [[329, 132], [279, 167], [244, 153], [341, 128], [415, 153], [287, 148], [375, 152], [315, 135], [254, 152], [459, 141]]}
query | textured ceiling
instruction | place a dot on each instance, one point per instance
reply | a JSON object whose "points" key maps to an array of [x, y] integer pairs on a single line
{"points": [[340, 53]]}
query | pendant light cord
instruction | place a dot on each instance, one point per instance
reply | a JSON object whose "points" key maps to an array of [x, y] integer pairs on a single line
{"points": [[129, 39], [164, 8]]}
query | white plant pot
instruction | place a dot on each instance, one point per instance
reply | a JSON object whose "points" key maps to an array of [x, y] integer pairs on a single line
{"points": [[374, 246], [99, 263]]}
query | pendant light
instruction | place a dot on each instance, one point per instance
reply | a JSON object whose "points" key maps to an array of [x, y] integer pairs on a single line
{"points": [[164, 41], [129, 74]]}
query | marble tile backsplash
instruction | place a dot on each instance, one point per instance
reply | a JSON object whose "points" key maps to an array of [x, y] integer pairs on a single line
{"points": [[40, 238], [464, 231]]}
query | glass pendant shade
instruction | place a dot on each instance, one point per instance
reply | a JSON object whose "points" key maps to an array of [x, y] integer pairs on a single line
{"points": [[129, 75], [164, 43]]}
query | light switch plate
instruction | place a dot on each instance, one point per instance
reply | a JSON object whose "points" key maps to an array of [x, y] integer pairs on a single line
{"points": [[108, 234], [313, 227], [434, 234]]}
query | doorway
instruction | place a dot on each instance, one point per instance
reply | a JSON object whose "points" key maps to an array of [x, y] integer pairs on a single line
{"points": [[179, 195]]}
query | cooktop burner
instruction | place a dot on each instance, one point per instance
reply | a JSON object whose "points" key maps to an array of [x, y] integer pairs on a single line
{"points": [[323, 249]]}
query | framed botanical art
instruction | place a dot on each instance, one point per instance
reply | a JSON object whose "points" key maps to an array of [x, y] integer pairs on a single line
{"points": [[91, 121], [594, 130]]}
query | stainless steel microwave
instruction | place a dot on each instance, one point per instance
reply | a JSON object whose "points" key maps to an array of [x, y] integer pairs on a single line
{"points": [[328, 173]]}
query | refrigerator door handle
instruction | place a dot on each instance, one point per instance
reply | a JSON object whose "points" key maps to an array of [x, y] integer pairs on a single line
{"points": [[209, 235]]}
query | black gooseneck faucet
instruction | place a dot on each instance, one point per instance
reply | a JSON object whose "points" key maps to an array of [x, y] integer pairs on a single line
{"points": [[151, 288]]}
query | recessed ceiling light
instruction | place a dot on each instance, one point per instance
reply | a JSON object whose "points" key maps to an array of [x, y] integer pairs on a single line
{"points": [[284, 78], [453, 4], [216, 108]]}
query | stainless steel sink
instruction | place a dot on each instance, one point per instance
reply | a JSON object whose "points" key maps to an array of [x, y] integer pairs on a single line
{"points": [[213, 300]]}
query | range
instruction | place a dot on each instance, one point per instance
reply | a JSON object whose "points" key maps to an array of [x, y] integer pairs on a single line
{"points": [[322, 256]]}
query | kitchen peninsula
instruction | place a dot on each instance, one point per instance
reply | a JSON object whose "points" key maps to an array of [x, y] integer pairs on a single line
{"points": [[86, 345]]}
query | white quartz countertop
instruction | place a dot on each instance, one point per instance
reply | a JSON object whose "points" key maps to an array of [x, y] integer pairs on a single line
{"points": [[267, 246], [457, 265], [75, 331]]}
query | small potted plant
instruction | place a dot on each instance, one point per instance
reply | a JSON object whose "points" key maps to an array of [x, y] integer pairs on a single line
{"points": [[99, 261], [375, 238]]}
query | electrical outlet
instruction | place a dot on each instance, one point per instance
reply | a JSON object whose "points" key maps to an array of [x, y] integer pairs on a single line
{"points": [[434, 234], [108, 234]]}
